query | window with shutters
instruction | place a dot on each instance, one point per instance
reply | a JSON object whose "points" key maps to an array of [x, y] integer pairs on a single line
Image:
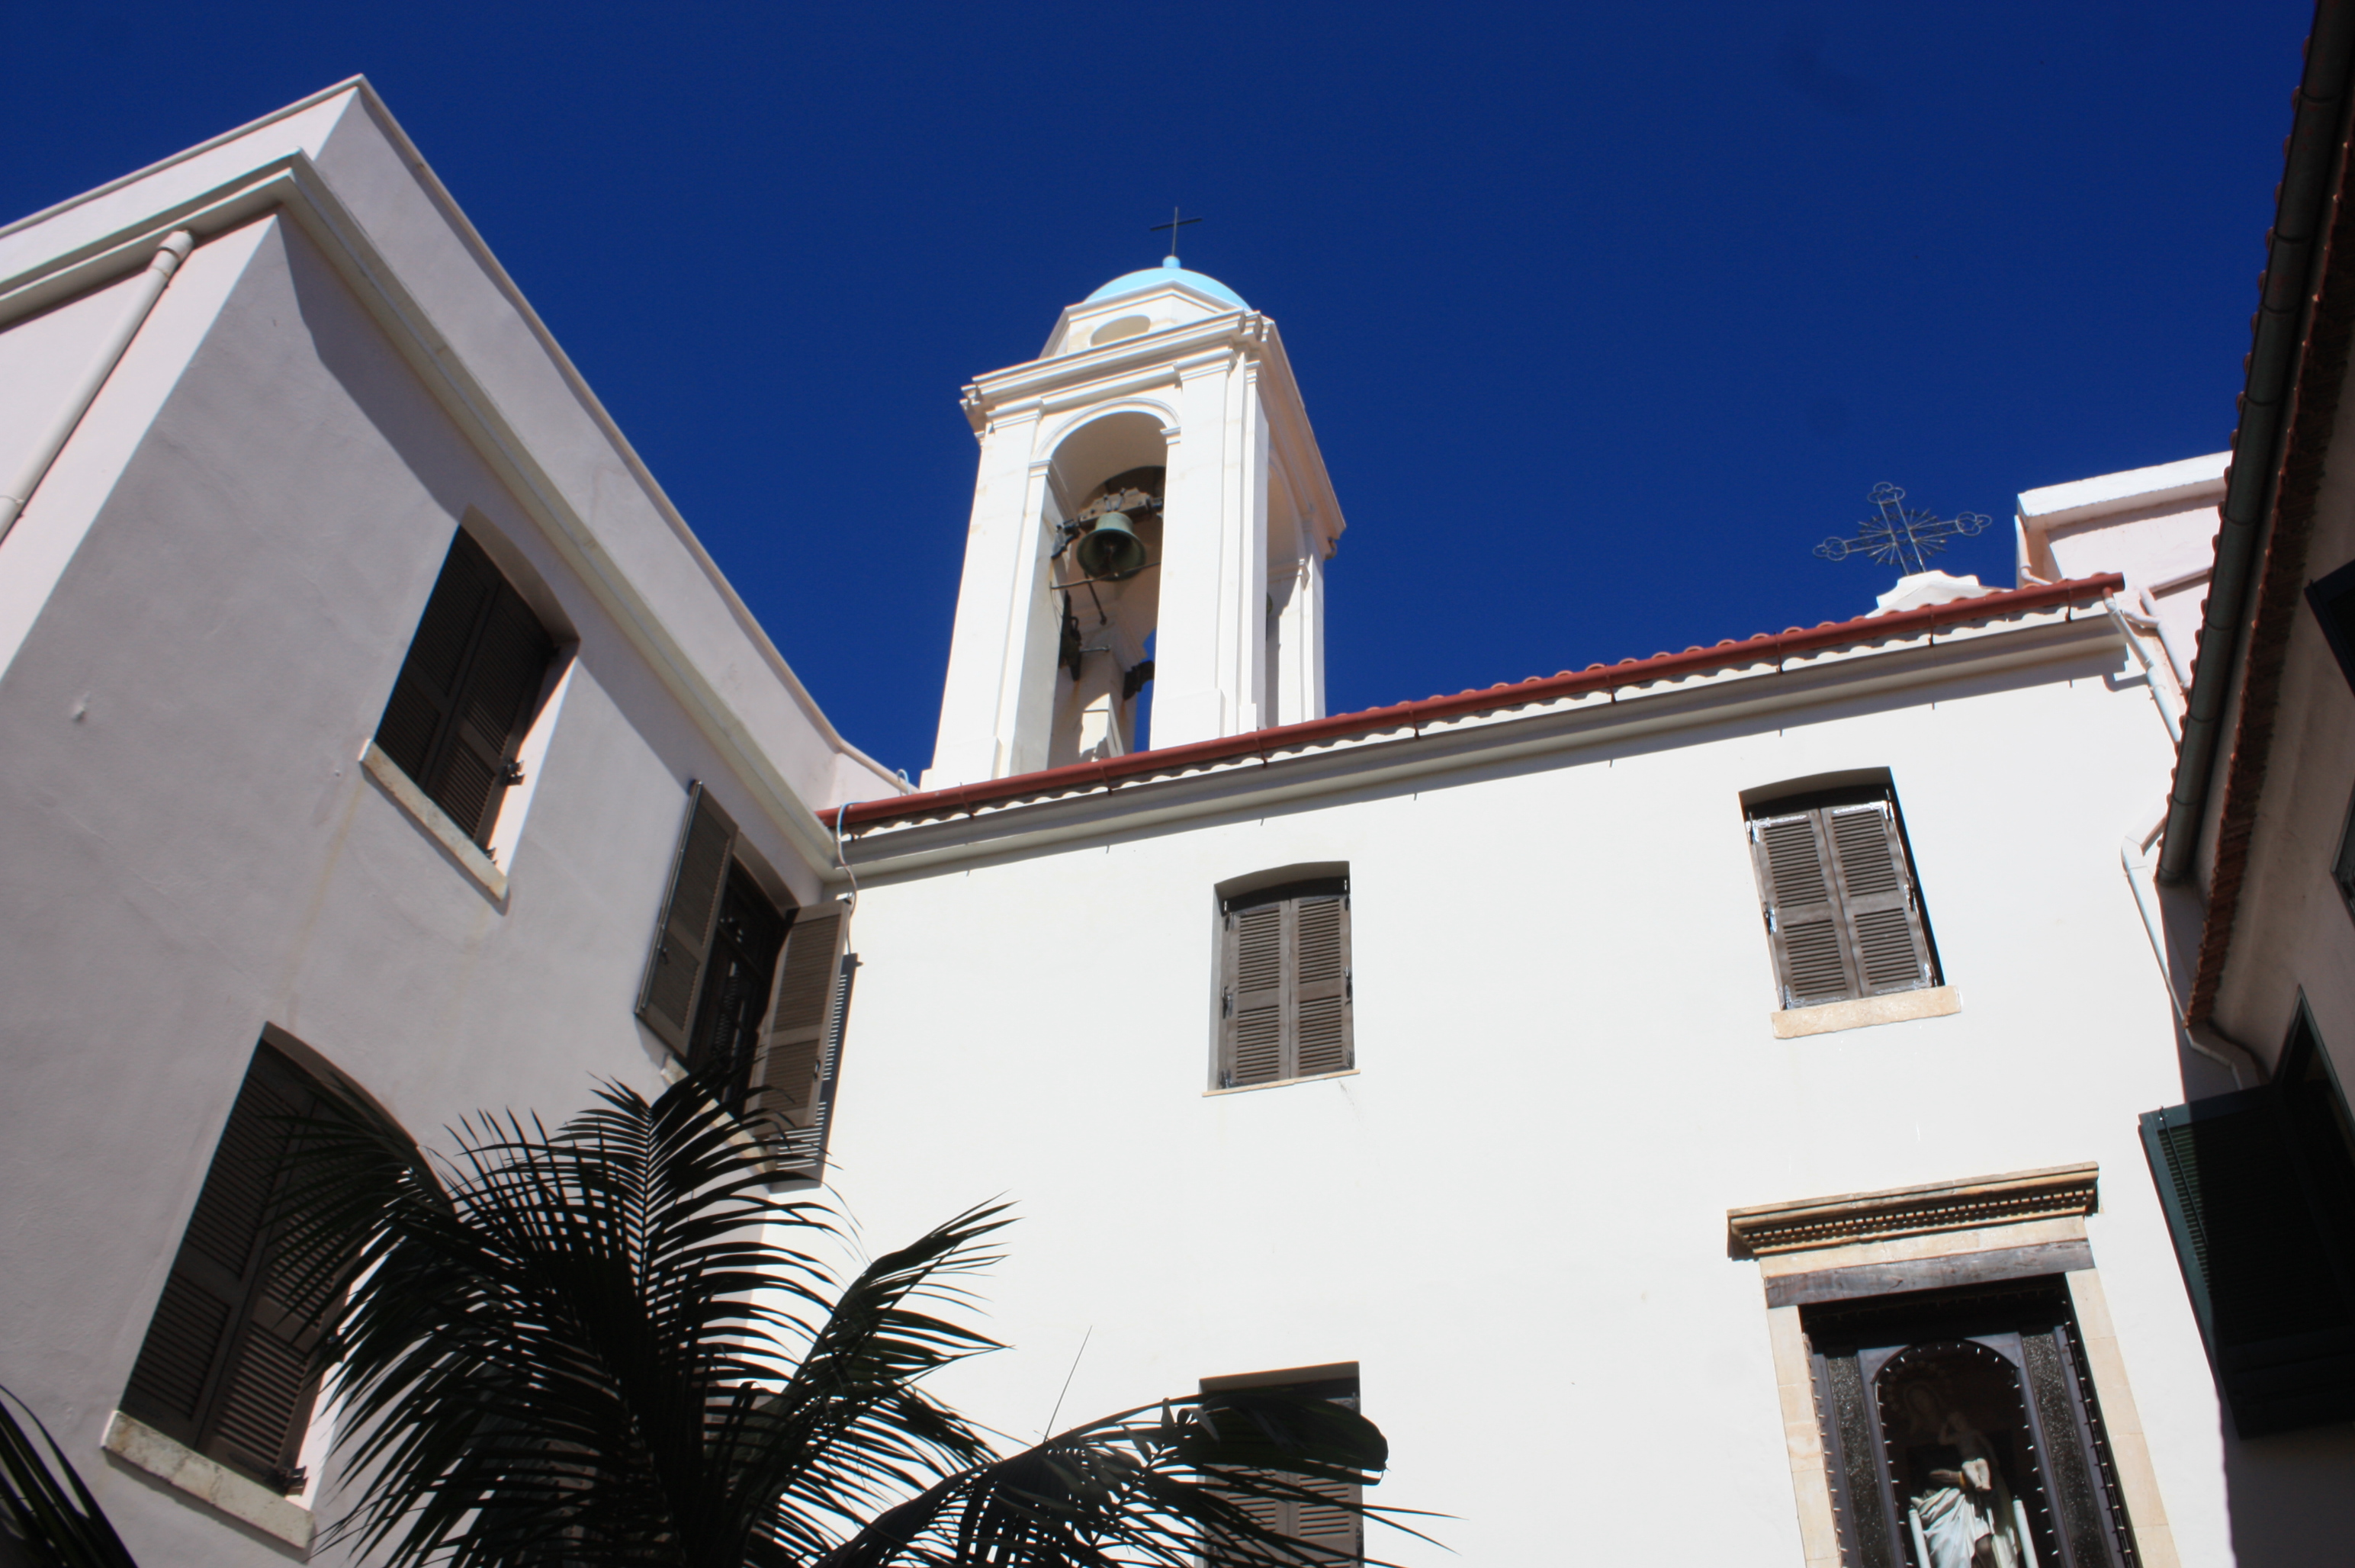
{"points": [[2259, 1192], [749, 998], [467, 691], [1285, 984], [1333, 1529], [226, 1365], [1843, 911]]}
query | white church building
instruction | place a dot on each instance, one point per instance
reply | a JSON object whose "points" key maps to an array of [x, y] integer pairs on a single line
{"points": [[1698, 1099]]}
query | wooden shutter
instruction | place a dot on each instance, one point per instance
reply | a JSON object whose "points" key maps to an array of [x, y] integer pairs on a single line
{"points": [[1333, 1530], [1285, 984], [1335, 1527], [1252, 1006], [1317, 1023], [2255, 1195], [699, 874], [1812, 963], [1886, 945], [1842, 915], [800, 1047], [465, 692], [226, 1368]]}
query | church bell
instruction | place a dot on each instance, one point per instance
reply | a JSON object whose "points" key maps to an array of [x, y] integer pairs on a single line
{"points": [[1110, 549]]}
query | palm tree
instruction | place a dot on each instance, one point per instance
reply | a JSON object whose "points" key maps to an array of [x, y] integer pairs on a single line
{"points": [[612, 1344]]}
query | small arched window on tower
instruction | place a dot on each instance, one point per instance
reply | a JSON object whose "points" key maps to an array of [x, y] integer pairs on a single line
{"points": [[1842, 905]]}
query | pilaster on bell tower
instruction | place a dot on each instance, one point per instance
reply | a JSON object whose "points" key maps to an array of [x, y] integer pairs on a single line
{"points": [[1163, 406]]}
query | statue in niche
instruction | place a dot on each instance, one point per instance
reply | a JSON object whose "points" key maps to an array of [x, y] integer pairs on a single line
{"points": [[1962, 1511]]}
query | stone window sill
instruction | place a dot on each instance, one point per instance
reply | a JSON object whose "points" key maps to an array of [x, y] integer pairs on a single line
{"points": [[1863, 1012], [1279, 1083], [436, 821], [184, 1470]]}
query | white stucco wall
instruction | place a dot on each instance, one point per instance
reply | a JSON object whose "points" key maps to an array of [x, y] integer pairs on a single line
{"points": [[201, 614], [1514, 1216]]}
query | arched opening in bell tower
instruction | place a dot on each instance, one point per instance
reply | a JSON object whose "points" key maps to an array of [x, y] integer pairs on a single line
{"points": [[1106, 479]]}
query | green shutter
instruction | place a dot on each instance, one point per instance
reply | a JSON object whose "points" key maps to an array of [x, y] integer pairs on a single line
{"points": [[2250, 1197], [698, 875]]}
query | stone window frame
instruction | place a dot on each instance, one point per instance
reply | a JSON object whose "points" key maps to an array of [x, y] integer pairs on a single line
{"points": [[1984, 1229]]}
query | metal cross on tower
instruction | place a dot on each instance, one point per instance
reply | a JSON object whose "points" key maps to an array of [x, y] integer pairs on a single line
{"points": [[1175, 224], [1900, 534]]}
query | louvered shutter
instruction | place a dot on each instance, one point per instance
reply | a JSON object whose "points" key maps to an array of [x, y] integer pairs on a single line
{"points": [[1336, 1527], [789, 1101], [1252, 1006], [1812, 961], [494, 709], [1886, 944], [1285, 985], [464, 695], [1318, 1019], [225, 1364], [1333, 1529], [2254, 1195], [674, 976]]}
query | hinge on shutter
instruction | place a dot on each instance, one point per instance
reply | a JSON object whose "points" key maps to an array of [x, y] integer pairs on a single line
{"points": [[511, 771], [291, 1481], [1227, 1003], [1348, 985]]}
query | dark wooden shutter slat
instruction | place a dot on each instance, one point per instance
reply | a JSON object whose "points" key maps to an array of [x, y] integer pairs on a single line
{"points": [[788, 1101], [176, 1359], [1877, 894], [674, 978], [1812, 959], [1254, 999]]}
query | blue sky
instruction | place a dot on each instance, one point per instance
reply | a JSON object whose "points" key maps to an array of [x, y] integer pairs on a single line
{"points": [[1604, 315]]}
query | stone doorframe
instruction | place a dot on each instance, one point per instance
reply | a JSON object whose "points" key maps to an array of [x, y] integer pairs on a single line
{"points": [[1975, 1231]]}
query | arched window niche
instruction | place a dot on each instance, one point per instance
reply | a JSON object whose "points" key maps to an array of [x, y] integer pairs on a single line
{"points": [[1105, 621], [1962, 1431]]}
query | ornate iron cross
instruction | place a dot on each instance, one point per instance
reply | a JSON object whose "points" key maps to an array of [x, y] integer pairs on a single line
{"points": [[1900, 534]]}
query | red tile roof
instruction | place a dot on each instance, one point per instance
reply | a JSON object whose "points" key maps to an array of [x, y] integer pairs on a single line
{"points": [[1536, 688]]}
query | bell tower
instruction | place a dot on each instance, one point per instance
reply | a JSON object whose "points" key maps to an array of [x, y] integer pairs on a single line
{"points": [[1150, 507]]}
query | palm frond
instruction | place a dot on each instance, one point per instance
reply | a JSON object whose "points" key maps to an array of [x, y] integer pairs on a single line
{"points": [[43, 1505], [611, 1343], [1157, 1487]]}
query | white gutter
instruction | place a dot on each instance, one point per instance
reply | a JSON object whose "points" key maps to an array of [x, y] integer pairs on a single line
{"points": [[145, 292], [2134, 855], [2124, 624]]}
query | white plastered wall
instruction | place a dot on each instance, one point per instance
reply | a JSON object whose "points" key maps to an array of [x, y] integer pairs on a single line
{"points": [[1512, 1217]]}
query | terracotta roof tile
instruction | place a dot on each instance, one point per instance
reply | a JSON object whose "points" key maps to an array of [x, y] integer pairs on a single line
{"points": [[1370, 720]]}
